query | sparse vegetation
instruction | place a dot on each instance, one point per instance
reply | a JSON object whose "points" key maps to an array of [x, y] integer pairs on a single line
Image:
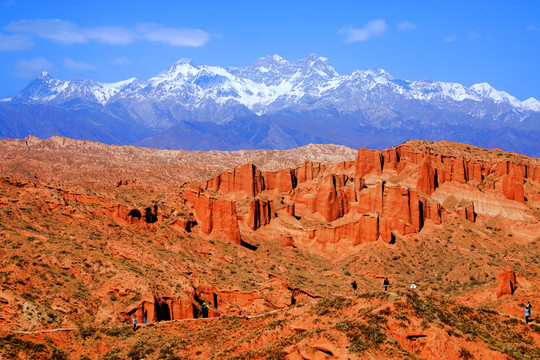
{"points": [[67, 256]]}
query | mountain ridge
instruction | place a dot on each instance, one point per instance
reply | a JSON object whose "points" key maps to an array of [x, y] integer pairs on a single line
{"points": [[288, 103]]}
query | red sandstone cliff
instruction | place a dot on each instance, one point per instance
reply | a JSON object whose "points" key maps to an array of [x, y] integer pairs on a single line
{"points": [[395, 202]]}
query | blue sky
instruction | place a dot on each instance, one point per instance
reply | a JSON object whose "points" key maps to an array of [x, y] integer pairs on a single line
{"points": [[456, 41]]}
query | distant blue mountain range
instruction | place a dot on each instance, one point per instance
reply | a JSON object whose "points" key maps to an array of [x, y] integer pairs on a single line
{"points": [[273, 103]]}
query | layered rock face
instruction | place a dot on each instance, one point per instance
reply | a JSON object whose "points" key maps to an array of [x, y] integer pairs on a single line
{"points": [[217, 216], [383, 195], [246, 179], [438, 167]]}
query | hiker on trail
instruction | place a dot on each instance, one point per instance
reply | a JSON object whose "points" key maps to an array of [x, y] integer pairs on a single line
{"points": [[354, 285], [204, 310], [386, 282], [145, 316], [528, 312], [134, 320]]}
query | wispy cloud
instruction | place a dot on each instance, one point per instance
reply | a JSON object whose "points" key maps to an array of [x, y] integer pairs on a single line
{"points": [[15, 42], [406, 25], [113, 35], [31, 68], [67, 32], [64, 32], [532, 27], [78, 65], [122, 61], [371, 29], [173, 37], [450, 38]]}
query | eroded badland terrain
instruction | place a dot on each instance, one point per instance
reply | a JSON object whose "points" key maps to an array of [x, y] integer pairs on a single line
{"points": [[93, 234]]}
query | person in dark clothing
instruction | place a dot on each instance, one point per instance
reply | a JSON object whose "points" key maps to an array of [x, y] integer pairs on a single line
{"points": [[528, 312], [145, 316], [354, 285], [386, 282], [204, 310]]}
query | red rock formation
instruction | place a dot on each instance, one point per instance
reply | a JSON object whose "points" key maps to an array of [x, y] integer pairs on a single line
{"points": [[152, 214], [466, 211], [283, 180], [208, 293], [506, 282], [369, 161], [367, 228], [261, 213], [512, 187], [290, 208], [125, 183], [119, 211], [288, 241], [427, 180], [217, 216], [436, 168], [160, 308], [308, 171], [331, 200], [246, 179], [183, 224]]}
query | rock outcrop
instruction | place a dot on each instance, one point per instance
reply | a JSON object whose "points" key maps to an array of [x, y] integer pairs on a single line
{"points": [[437, 167], [246, 180], [161, 308], [217, 217], [261, 213], [506, 282]]}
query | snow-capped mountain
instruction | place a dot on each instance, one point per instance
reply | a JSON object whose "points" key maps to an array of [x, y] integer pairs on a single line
{"points": [[279, 98]]}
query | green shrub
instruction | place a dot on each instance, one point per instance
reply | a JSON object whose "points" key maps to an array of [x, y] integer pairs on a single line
{"points": [[325, 306], [86, 331], [465, 354], [139, 350]]}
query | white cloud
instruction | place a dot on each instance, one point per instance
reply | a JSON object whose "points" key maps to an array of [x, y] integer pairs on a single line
{"points": [[64, 32], [450, 38], [406, 25], [78, 65], [531, 27], [113, 35], [173, 37], [15, 42], [67, 32], [32, 68], [122, 61], [372, 28]]}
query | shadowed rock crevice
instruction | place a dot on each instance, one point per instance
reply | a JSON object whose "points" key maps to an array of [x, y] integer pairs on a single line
{"points": [[135, 213], [249, 246]]}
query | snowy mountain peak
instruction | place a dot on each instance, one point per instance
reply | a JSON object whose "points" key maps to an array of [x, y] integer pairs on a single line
{"points": [[269, 62], [531, 104], [273, 84], [483, 89], [180, 68], [487, 91], [320, 64], [273, 58]]}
